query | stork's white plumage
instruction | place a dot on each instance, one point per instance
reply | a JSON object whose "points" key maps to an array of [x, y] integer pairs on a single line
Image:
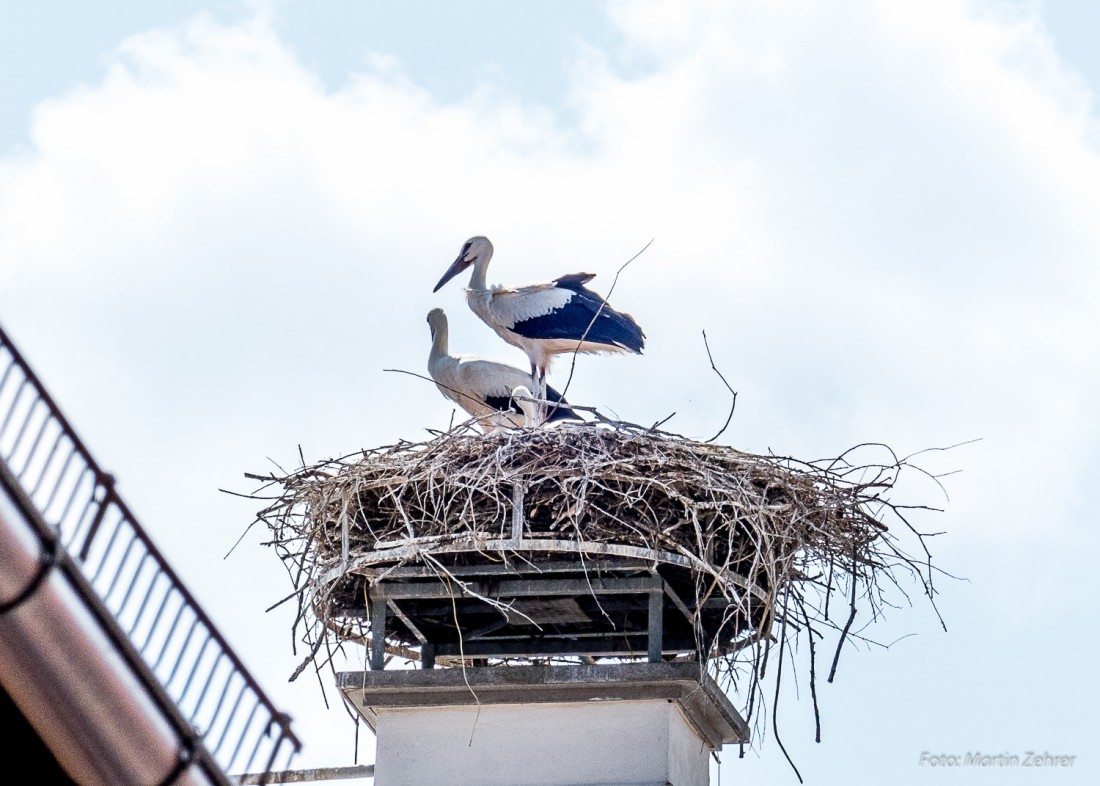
{"points": [[482, 387], [544, 320]]}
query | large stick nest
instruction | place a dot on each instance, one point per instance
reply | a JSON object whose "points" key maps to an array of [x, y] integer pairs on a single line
{"points": [[757, 546]]}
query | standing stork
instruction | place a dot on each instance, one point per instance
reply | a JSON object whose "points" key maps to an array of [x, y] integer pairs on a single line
{"points": [[544, 320], [484, 388]]}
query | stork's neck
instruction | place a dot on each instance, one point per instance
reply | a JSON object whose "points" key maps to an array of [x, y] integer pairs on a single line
{"points": [[439, 344], [477, 277]]}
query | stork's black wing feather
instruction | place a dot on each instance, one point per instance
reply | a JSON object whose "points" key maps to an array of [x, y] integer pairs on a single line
{"points": [[586, 315], [574, 281], [559, 408], [503, 404]]}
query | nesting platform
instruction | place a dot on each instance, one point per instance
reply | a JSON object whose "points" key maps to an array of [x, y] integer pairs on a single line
{"points": [[538, 598], [582, 542]]}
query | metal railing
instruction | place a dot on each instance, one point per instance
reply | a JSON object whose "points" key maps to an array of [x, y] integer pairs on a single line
{"points": [[173, 645]]}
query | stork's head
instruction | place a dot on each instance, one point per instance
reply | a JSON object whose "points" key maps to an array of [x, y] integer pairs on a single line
{"points": [[525, 400], [437, 320], [473, 249]]}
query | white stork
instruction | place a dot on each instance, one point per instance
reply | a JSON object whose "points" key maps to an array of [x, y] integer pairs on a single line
{"points": [[544, 320], [482, 387]]}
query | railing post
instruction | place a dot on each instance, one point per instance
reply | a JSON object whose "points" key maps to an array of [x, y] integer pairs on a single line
{"points": [[107, 482]]}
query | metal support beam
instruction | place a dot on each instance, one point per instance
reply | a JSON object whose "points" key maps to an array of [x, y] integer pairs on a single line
{"points": [[656, 624], [485, 630], [378, 633], [408, 622], [518, 589], [439, 610], [609, 646], [679, 603], [591, 565]]}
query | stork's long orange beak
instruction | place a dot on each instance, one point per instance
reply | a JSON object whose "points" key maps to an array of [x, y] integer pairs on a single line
{"points": [[456, 267]]}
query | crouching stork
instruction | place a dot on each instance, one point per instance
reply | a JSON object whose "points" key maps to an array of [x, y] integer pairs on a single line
{"points": [[484, 388]]}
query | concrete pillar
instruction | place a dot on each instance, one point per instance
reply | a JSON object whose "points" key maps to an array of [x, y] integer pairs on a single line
{"points": [[636, 724]]}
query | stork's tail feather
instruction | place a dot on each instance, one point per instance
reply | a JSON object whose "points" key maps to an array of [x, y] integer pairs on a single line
{"points": [[630, 335], [616, 328]]}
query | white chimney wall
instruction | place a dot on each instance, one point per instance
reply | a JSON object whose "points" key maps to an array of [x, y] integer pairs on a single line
{"points": [[595, 743]]}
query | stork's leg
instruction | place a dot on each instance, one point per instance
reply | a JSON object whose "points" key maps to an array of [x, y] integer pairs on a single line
{"points": [[543, 406], [538, 376]]}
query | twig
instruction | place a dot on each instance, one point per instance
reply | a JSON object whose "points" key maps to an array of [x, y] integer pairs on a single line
{"points": [[733, 403]]}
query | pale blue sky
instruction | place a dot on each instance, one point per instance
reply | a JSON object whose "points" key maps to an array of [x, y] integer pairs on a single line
{"points": [[446, 48], [215, 235]]}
